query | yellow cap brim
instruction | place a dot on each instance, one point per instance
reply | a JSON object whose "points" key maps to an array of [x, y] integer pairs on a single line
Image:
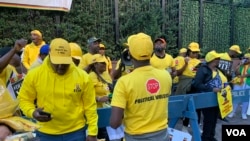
{"points": [[60, 60], [195, 50]]}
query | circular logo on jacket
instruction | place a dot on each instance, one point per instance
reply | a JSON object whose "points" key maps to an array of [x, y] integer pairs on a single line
{"points": [[153, 86]]}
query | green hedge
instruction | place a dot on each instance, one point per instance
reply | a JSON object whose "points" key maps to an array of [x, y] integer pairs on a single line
{"points": [[189, 22], [97, 18], [242, 30], [216, 27]]}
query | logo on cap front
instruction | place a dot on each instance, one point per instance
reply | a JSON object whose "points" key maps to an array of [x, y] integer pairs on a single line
{"points": [[153, 86]]}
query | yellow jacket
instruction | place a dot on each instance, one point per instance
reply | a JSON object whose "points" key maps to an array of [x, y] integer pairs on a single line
{"points": [[31, 52], [70, 98]]}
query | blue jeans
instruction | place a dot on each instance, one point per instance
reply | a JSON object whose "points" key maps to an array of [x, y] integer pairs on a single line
{"points": [[78, 135]]}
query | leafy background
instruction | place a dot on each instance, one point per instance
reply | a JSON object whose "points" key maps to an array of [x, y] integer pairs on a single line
{"points": [[217, 25]]}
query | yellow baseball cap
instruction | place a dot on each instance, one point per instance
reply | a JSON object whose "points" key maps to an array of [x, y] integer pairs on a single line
{"points": [[76, 51], [60, 52], [125, 45], [247, 55], [140, 46], [193, 46], [235, 48], [101, 46], [183, 50], [98, 58], [210, 56], [37, 32]]}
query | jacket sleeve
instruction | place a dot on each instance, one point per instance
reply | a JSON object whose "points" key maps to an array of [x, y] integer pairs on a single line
{"points": [[27, 95], [90, 107], [200, 79], [25, 59]]}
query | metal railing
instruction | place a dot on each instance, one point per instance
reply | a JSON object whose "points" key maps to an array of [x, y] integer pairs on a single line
{"points": [[184, 106]]}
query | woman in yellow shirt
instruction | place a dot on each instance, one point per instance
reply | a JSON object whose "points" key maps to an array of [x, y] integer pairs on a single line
{"points": [[209, 79], [100, 81], [186, 73]]}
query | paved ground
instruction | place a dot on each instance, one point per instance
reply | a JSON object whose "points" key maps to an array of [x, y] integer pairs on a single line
{"points": [[236, 120]]}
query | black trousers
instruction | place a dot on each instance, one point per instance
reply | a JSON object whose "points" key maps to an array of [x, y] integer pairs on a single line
{"points": [[210, 116], [102, 134]]}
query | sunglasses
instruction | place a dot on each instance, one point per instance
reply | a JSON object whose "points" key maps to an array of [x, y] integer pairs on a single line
{"points": [[102, 49]]}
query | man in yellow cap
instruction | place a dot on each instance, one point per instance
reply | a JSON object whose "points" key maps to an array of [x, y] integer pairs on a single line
{"points": [[233, 52], [93, 48], [64, 94], [226, 61], [141, 96], [31, 51], [76, 53], [160, 59]]}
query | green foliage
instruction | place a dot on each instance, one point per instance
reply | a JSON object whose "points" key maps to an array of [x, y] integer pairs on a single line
{"points": [[148, 16], [242, 30], [145, 16], [97, 18], [216, 27], [189, 22]]}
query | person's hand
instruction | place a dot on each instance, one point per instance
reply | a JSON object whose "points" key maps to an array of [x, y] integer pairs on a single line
{"points": [[216, 90], [91, 138], [104, 99], [39, 117], [187, 59], [173, 74], [19, 44]]}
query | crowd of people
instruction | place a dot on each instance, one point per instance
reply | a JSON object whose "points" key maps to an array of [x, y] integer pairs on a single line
{"points": [[63, 87]]}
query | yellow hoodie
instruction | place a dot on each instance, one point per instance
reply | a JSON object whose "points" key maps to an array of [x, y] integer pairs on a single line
{"points": [[70, 98]]}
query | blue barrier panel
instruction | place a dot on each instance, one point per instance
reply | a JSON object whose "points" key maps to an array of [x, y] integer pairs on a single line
{"points": [[184, 106]]}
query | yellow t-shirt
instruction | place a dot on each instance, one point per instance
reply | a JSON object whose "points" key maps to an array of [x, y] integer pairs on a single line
{"points": [[86, 60], [30, 54], [101, 88], [143, 94], [225, 56], [5, 75], [190, 70], [162, 63], [127, 70], [179, 61]]}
